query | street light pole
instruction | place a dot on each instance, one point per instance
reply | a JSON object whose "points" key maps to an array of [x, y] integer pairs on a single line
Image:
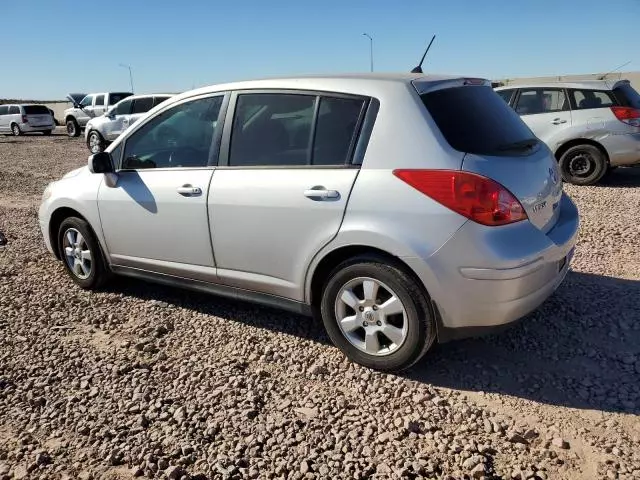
{"points": [[370, 48], [130, 74]]}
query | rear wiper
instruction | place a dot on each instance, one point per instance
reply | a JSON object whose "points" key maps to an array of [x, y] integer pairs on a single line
{"points": [[527, 144]]}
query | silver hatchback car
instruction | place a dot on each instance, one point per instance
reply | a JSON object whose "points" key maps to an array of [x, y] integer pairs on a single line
{"points": [[402, 209], [591, 126]]}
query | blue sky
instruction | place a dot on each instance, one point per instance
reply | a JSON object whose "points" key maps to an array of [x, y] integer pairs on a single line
{"points": [[51, 48]]}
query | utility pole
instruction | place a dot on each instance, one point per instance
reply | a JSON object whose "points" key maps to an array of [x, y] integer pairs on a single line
{"points": [[370, 48]]}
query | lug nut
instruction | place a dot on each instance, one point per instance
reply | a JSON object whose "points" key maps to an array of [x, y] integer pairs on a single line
{"points": [[375, 307], [365, 324], [379, 323], [361, 309]]}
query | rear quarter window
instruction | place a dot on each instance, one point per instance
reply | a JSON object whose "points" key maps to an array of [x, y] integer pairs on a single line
{"points": [[475, 119]]}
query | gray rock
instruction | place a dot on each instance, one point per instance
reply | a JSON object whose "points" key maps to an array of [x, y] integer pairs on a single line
{"points": [[174, 472], [304, 467]]}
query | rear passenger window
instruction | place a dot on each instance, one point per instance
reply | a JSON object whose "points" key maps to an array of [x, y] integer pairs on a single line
{"points": [[4, 110], [99, 101], [585, 99], [541, 100], [14, 110], [476, 120], [288, 130], [142, 105]]}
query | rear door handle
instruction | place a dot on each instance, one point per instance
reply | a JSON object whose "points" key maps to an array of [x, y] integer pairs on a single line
{"points": [[558, 121], [189, 191], [321, 193]]}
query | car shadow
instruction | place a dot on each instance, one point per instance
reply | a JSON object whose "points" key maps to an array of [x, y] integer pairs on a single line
{"points": [[623, 177], [254, 315], [580, 349]]}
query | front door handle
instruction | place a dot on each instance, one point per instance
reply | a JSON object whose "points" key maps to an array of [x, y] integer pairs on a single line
{"points": [[189, 191], [321, 193], [558, 121]]}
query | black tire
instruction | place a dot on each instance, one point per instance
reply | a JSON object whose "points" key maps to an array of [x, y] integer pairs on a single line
{"points": [[421, 328], [98, 274], [46, 133], [101, 145], [15, 130], [583, 165], [73, 129]]}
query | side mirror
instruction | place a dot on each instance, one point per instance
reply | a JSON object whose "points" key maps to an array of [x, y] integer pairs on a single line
{"points": [[101, 163]]}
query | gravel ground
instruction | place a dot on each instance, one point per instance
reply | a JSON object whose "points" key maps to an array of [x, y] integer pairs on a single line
{"points": [[142, 380]]}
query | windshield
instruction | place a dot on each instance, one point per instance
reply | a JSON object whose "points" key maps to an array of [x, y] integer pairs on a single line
{"points": [[627, 96], [476, 120]]}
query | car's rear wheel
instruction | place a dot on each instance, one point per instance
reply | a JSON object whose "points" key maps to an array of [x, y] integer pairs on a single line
{"points": [[73, 129], [377, 314], [15, 129], [583, 165], [80, 252], [95, 142]]}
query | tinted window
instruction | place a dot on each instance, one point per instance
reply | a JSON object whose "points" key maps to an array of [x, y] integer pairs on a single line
{"points": [[335, 130], [116, 97], [627, 96], [272, 129], [87, 101], [99, 101], [585, 99], [506, 95], [541, 100], [142, 105], [4, 110], [123, 108], [476, 120], [159, 100], [179, 137], [36, 110], [14, 110]]}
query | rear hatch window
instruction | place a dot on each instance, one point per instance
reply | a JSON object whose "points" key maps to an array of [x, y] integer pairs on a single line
{"points": [[36, 110], [474, 119], [627, 96]]}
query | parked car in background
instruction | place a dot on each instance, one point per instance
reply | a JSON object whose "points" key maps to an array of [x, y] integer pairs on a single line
{"points": [[19, 119], [362, 198], [85, 107], [101, 131], [591, 126]]}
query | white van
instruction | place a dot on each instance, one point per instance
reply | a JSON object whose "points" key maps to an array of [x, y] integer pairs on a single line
{"points": [[19, 119]]}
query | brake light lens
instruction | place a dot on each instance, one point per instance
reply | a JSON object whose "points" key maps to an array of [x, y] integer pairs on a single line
{"points": [[25, 119], [478, 198], [628, 115]]}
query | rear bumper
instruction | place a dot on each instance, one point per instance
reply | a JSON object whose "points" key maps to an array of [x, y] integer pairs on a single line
{"points": [[623, 149], [486, 277], [27, 127]]}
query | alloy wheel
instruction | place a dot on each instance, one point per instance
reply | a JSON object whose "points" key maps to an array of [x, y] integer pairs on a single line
{"points": [[77, 253], [371, 316]]}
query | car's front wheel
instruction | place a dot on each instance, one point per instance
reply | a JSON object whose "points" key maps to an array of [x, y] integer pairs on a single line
{"points": [[95, 142], [80, 251], [73, 129], [377, 314]]}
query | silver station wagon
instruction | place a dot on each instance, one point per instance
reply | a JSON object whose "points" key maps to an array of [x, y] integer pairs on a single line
{"points": [[401, 209]]}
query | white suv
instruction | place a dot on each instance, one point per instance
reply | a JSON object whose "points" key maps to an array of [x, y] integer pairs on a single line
{"points": [[591, 126]]}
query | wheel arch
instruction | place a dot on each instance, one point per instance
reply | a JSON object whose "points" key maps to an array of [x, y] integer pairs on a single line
{"points": [[580, 141], [332, 259], [57, 217]]}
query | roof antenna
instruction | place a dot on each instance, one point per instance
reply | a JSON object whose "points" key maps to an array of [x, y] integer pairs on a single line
{"points": [[604, 77], [418, 69]]}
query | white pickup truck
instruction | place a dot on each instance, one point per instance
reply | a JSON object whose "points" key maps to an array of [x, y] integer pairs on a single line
{"points": [[87, 106]]}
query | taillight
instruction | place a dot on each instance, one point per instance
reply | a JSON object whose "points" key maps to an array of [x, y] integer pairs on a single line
{"points": [[628, 115], [25, 119], [476, 197]]}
